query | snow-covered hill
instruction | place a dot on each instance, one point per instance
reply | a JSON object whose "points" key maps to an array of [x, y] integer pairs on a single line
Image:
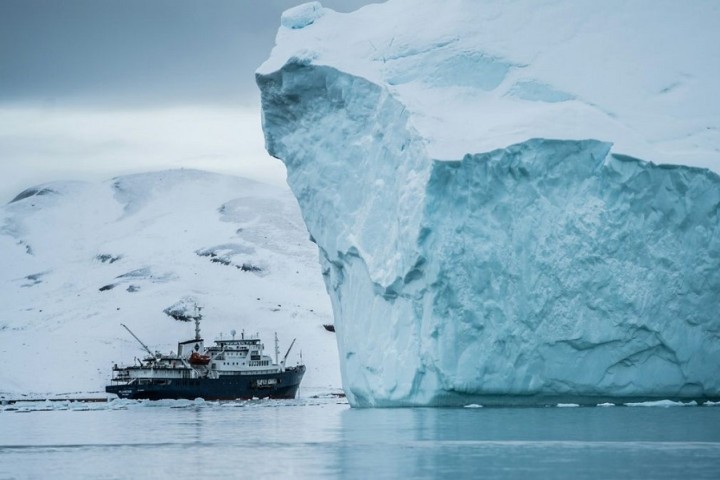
{"points": [[77, 259]]}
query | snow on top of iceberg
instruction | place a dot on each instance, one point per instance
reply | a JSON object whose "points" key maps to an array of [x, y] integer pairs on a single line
{"points": [[302, 15], [480, 75]]}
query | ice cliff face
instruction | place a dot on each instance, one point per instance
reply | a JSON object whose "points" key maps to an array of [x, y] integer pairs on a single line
{"points": [[469, 258]]}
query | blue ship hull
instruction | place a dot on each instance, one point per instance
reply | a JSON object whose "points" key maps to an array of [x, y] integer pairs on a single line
{"points": [[228, 387]]}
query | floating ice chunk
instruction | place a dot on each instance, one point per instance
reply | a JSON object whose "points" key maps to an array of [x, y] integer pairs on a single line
{"points": [[662, 403]]}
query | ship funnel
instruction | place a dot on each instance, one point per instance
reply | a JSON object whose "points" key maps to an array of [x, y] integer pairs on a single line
{"points": [[198, 316]]}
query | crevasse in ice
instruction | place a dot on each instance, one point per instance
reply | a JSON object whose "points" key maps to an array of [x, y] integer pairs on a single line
{"points": [[526, 269]]}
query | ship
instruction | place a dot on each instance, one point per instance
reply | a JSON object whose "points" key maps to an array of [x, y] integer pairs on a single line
{"points": [[231, 369]]}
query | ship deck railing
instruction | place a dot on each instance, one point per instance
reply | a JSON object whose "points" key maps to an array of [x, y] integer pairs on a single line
{"points": [[120, 368]]}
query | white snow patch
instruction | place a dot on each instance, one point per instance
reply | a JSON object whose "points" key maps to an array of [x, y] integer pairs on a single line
{"points": [[302, 15]]}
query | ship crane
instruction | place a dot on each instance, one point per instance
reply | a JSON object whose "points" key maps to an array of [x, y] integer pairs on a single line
{"points": [[139, 341], [288, 352]]}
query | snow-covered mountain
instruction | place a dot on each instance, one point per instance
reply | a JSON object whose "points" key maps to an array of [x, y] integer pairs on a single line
{"points": [[484, 181], [77, 259]]}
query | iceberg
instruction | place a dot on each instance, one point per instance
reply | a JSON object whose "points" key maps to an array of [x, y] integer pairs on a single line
{"points": [[489, 226]]}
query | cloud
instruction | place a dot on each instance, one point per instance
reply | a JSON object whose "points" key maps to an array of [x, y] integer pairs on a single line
{"points": [[39, 145], [92, 89], [137, 52]]}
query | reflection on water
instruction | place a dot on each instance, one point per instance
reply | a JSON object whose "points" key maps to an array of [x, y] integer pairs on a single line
{"points": [[325, 438], [545, 442]]}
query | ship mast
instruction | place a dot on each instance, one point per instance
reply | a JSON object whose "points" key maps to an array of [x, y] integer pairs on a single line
{"points": [[277, 349]]}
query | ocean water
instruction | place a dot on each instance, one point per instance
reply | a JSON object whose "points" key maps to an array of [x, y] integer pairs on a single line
{"points": [[325, 438]]}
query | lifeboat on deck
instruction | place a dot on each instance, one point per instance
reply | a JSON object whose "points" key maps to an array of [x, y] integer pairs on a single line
{"points": [[198, 359]]}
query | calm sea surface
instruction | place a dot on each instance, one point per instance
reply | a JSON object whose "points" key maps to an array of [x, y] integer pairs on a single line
{"points": [[324, 438]]}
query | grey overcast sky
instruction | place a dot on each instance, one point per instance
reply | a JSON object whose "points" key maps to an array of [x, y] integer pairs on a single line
{"points": [[108, 53], [90, 89]]}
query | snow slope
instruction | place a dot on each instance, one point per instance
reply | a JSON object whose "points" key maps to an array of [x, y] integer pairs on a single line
{"points": [[471, 172], [78, 259]]}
